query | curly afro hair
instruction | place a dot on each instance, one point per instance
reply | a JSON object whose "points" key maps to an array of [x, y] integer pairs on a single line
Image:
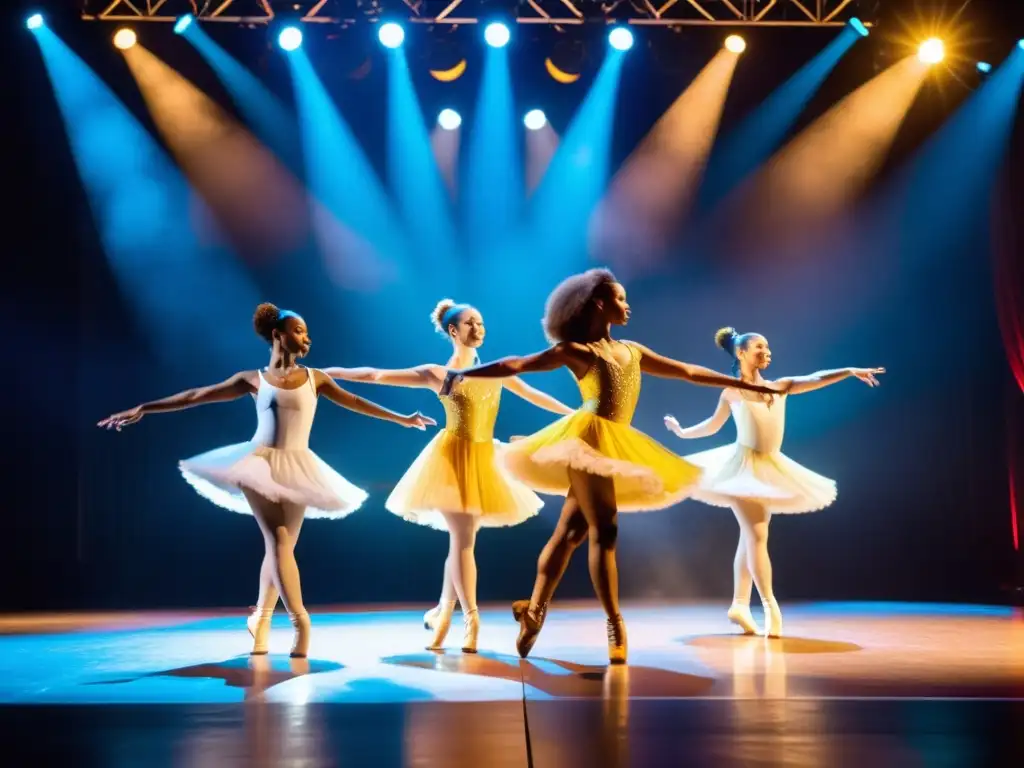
{"points": [[567, 312]]}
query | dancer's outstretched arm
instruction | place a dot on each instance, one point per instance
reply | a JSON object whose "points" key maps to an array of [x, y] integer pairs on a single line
{"points": [[327, 387], [709, 426], [547, 360], [667, 368], [797, 385], [517, 386], [428, 376], [237, 386]]}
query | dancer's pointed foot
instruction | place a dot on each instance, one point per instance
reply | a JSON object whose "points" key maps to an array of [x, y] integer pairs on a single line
{"points": [[530, 622], [740, 615], [471, 620], [617, 644], [772, 618], [300, 646], [441, 626], [258, 624]]}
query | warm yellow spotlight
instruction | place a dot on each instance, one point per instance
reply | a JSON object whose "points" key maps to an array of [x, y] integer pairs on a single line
{"points": [[735, 44], [932, 51], [125, 38]]}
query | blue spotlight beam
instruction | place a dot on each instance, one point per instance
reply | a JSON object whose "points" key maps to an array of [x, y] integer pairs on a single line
{"points": [[577, 176], [762, 132], [916, 227], [950, 181], [338, 172], [494, 179], [274, 124], [141, 206], [414, 177]]}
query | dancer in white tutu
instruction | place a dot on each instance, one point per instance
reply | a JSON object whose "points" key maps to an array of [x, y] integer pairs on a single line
{"points": [[753, 476], [457, 483], [274, 476]]}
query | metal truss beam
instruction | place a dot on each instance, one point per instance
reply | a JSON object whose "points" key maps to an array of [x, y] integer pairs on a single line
{"points": [[655, 13]]}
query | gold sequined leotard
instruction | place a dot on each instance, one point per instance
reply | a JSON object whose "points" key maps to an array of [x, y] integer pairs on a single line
{"points": [[599, 440], [459, 470]]}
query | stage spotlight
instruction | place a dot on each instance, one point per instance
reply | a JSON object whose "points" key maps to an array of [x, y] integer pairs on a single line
{"points": [[984, 67], [183, 23], [497, 35], [35, 21], [534, 120], [1020, 44], [932, 51], [858, 27], [449, 119], [391, 35], [125, 38], [290, 38], [735, 44], [620, 38]]}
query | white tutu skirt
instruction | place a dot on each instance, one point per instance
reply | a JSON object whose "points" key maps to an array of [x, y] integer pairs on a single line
{"points": [[296, 476], [734, 472]]}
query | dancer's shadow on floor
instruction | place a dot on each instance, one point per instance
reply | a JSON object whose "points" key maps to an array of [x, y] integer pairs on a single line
{"points": [[254, 674], [789, 645], [559, 678]]}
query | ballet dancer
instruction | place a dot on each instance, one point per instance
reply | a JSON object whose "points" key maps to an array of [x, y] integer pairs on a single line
{"points": [[752, 476], [274, 476], [457, 483], [594, 457]]}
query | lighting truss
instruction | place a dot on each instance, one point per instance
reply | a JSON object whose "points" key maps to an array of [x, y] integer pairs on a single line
{"points": [[658, 13]]}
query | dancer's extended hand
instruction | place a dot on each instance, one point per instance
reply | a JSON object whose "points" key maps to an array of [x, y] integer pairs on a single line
{"points": [[450, 380], [418, 421], [867, 375], [122, 419], [672, 425]]}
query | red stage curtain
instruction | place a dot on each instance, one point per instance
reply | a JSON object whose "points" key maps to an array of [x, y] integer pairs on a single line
{"points": [[1008, 250]]}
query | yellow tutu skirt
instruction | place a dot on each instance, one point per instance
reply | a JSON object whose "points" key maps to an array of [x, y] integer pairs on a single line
{"points": [[453, 474], [647, 475]]}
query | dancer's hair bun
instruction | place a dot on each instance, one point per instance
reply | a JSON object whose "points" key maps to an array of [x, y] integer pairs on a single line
{"points": [[437, 316], [266, 319], [725, 338]]}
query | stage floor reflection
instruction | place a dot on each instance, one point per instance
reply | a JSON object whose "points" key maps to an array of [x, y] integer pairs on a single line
{"points": [[895, 684]]}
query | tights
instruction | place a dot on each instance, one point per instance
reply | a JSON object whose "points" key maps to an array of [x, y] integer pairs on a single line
{"points": [[280, 524], [752, 564], [460, 566], [589, 513]]}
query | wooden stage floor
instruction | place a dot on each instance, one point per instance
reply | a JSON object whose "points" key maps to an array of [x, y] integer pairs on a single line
{"points": [[859, 684]]}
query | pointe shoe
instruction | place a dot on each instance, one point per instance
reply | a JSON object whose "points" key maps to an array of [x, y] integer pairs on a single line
{"points": [[441, 626], [530, 623], [772, 618], [258, 624], [740, 615], [617, 644], [300, 646], [471, 620], [431, 617]]}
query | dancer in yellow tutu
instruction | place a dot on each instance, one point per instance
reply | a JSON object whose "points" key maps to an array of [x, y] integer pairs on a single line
{"points": [[457, 483], [274, 476], [594, 457], [753, 476]]}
